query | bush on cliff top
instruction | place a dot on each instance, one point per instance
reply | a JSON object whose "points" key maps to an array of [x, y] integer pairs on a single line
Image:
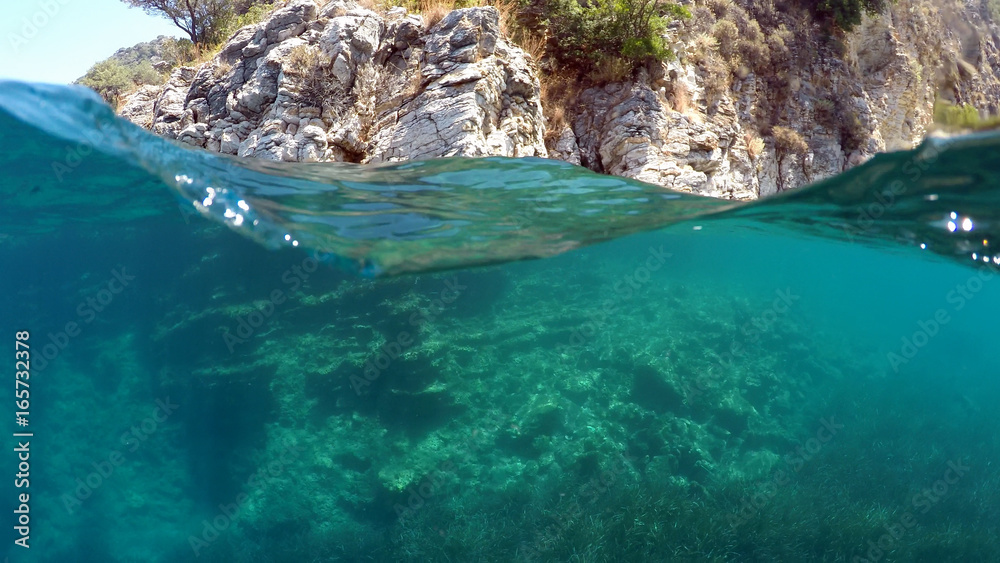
{"points": [[237, 18], [586, 35], [847, 14], [962, 116], [112, 79], [206, 22]]}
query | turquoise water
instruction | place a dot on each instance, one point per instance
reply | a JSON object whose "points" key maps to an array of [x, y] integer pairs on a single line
{"points": [[373, 372]]}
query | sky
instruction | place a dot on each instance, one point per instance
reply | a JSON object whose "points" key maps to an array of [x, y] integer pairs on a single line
{"points": [[58, 40]]}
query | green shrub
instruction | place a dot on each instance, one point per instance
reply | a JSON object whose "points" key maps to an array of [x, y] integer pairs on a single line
{"points": [[112, 79], [178, 51], [109, 78], [963, 116], [778, 53], [236, 19], [144, 73], [206, 22], [993, 6], [847, 14], [584, 35]]}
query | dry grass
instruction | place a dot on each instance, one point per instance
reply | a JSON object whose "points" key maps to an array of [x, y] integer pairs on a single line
{"points": [[755, 145], [534, 45], [559, 94], [318, 87], [788, 140], [416, 83], [615, 69], [368, 93], [220, 70], [508, 15], [680, 97], [433, 11], [377, 6], [531, 43], [203, 55]]}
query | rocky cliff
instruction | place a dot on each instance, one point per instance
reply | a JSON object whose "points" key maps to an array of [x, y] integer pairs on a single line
{"points": [[757, 101], [340, 82]]}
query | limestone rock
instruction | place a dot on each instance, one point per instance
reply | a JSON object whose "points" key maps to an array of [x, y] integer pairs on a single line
{"points": [[848, 99], [344, 83], [138, 107], [566, 147], [332, 81], [631, 130], [477, 97]]}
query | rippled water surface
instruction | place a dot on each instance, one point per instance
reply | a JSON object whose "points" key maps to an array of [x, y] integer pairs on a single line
{"points": [[489, 359]]}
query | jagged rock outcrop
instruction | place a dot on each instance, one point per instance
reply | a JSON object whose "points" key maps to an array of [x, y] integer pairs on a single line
{"points": [[343, 83], [630, 129], [338, 82], [139, 106], [870, 91]]}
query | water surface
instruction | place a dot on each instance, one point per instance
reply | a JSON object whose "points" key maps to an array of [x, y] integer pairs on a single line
{"points": [[248, 361]]}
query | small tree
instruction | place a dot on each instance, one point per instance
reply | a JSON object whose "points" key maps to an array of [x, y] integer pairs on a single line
{"points": [[197, 18], [591, 33], [847, 14], [109, 78], [112, 79]]}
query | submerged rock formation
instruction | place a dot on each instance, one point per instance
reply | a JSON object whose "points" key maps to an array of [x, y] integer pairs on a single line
{"points": [[757, 100]]}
